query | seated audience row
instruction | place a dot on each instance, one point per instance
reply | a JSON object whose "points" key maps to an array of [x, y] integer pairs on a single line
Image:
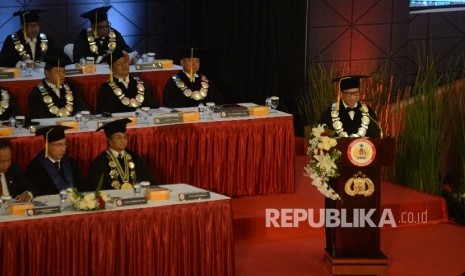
{"points": [[52, 170]]}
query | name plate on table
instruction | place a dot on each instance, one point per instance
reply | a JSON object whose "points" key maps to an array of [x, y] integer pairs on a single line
{"points": [[7, 75], [149, 66], [168, 119], [228, 113], [46, 210], [194, 196], [70, 72], [129, 201]]}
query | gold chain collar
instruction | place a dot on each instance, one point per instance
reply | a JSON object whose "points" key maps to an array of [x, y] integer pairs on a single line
{"points": [[52, 107], [93, 43], [132, 102], [196, 95], [362, 130], [127, 174], [5, 101], [19, 47]]}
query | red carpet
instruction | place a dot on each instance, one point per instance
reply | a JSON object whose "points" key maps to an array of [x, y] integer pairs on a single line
{"points": [[423, 243]]}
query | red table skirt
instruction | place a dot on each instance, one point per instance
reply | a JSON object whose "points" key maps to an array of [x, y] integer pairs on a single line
{"points": [[187, 239], [235, 158], [89, 86]]}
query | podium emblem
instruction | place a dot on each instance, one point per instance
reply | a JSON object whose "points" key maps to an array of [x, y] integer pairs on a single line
{"points": [[361, 152], [359, 185]]}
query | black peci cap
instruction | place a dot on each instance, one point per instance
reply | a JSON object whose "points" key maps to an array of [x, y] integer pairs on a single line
{"points": [[117, 54], [114, 127], [97, 15], [349, 82], [27, 16]]}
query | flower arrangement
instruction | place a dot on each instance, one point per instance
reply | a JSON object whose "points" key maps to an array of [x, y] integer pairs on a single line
{"points": [[89, 201], [323, 156]]}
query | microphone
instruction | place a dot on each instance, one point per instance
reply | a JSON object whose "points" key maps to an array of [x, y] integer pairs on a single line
{"points": [[381, 135]]}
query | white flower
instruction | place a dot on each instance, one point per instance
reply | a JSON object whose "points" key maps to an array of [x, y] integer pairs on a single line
{"points": [[322, 165], [316, 131], [325, 162]]}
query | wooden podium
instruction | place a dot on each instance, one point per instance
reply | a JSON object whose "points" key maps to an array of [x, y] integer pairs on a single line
{"points": [[355, 249]]}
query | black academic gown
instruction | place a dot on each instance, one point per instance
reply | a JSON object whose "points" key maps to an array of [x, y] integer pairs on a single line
{"points": [[46, 178], [9, 56], [108, 102], [12, 109], [100, 165], [17, 182], [82, 47], [351, 126], [173, 96], [39, 109]]}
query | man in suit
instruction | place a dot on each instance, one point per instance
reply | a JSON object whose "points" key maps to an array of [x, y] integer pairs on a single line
{"points": [[123, 92], [100, 39], [54, 97], [52, 170], [12, 180], [28, 42], [349, 117], [120, 167], [189, 88]]}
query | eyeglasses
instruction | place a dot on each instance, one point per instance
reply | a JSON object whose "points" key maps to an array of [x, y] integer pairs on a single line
{"points": [[33, 25], [119, 137], [59, 145], [352, 94], [106, 26]]}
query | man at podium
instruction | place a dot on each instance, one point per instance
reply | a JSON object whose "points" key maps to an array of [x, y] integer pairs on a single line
{"points": [[349, 117]]}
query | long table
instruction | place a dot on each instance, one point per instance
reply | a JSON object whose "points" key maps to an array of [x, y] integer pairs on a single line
{"points": [[88, 85], [160, 238], [235, 157]]}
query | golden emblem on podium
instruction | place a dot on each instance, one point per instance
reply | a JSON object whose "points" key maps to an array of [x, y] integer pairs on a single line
{"points": [[359, 184]]}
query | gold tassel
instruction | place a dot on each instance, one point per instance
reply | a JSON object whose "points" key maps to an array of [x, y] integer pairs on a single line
{"points": [[191, 74], [338, 97], [46, 142], [111, 67], [24, 25]]}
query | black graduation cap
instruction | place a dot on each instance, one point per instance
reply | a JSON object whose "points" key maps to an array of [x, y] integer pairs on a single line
{"points": [[349, 82], [190, 52], [117, 54], [97, 15], [52, 134], [57, 60], [114, 127], [27, 16]]}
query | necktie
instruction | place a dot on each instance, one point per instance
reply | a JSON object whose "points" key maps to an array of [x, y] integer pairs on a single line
{"points": [[57, 166]]}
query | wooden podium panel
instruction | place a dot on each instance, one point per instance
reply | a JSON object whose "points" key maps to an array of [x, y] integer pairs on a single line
{"points": [[357, 248]]}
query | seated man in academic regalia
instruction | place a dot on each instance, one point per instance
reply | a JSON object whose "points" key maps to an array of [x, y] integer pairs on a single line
{"points": [[12, 180], [8, 107], [100, 39], [123, 92], [26, 43], [189, 88], [54, 97], [120, 167], [52, 170]]}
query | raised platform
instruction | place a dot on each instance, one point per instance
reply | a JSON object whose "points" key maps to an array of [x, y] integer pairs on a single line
{"points": [[409, 207]]}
